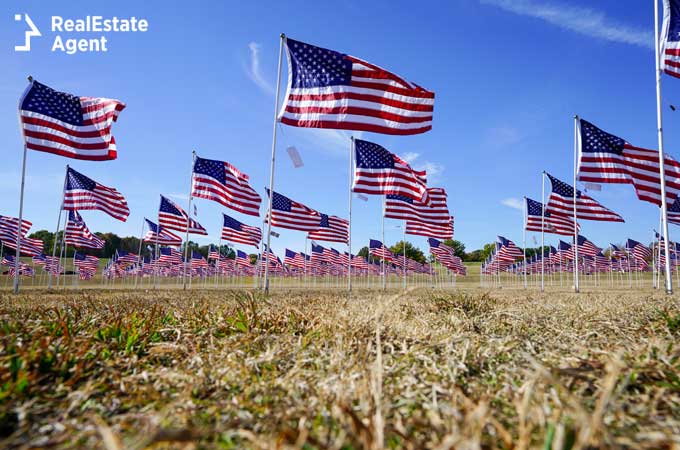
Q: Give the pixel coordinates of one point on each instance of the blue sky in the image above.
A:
(508, 75)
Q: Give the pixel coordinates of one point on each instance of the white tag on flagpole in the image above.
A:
(294, 156)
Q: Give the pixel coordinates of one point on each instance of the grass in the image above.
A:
(312, 369)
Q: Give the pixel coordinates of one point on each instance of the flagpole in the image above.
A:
(186, 241)
(349, 236)
(56, 234)
(576, 287)
(384, 249)
(271, 169)
(524, 245)
(543, 230)
(139, 254)
(662, 159)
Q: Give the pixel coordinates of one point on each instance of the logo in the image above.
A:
(32, 32)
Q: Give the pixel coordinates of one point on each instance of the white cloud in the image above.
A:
(254, 71)
(514, 203)
(586, 21)
(503, 136)
(409, 157)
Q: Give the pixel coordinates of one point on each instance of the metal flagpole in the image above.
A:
(404, 261)
(543, 230)
(524, 260)
(349, 236)
(54, 246)
(382, 214)
(186, 243)
(662, 159)
(576, 126)
(139, 255)
(271, 170)
(21, 192)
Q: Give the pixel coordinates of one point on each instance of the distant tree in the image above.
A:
(475, 255)
(458, 247)
(412, 251)
(487, 250)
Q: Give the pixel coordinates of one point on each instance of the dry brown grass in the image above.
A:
(506, 369)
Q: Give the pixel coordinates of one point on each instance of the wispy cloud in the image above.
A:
(254, 71)
(503, 136)
(586, 21)
(514, 203)
(433, 169)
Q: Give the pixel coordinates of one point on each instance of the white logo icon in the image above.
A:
(32, 32)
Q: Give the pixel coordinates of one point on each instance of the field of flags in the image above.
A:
(332, 90)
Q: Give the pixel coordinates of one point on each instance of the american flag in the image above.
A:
(430, 230)
(585, 248)
(331, 229)
(359, 262)
(242, 259)
(172, 217)
(639, 250)
(379, 172)
(670, 42)
(405, 208)
(11, 224)
(77, 233)
(198, 261)
(68, 125)
(85, 262)
(554, 223)
(124, 257)
(378, 249)
(221, 182)
(162, 237)
(294, 259)
(290, 214)
(442, 252)
(29, 246)
(83, 193)
(319, 253)
(561, 202)
(673, 211)
(506, 250)
(605, 158)
(235, 231)
(328, 89)
(170, 256)
(213, 252)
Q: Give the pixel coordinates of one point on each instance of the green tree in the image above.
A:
(412, 251)
(458, 248)
(487, 250)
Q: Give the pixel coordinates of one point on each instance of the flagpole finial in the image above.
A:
(576, 117)
(283, 35)
(30, 78)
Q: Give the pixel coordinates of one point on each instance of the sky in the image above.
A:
(509, 75)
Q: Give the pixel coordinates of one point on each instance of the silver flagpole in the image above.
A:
(186, 244)
(21, 216)
(382, 214)
(524, 226)
(21, 192)
(54, 246)
(139, 255)
(349, 236)
(543, 230)
(576, 127)
(662, 159)
(271, 169)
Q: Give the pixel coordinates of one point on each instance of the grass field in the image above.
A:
(311, 369)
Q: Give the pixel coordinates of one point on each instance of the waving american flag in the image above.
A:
(68, 125)
(83, 193)
(561, 201)
(328, 89)
(331, 229)
(605, 158)
(380, 172)
(235, 231)
(77, 233)
(173, 217)
(159, 235)
(551, 223)
(287, 213)
(405, 208)
(221, 182)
